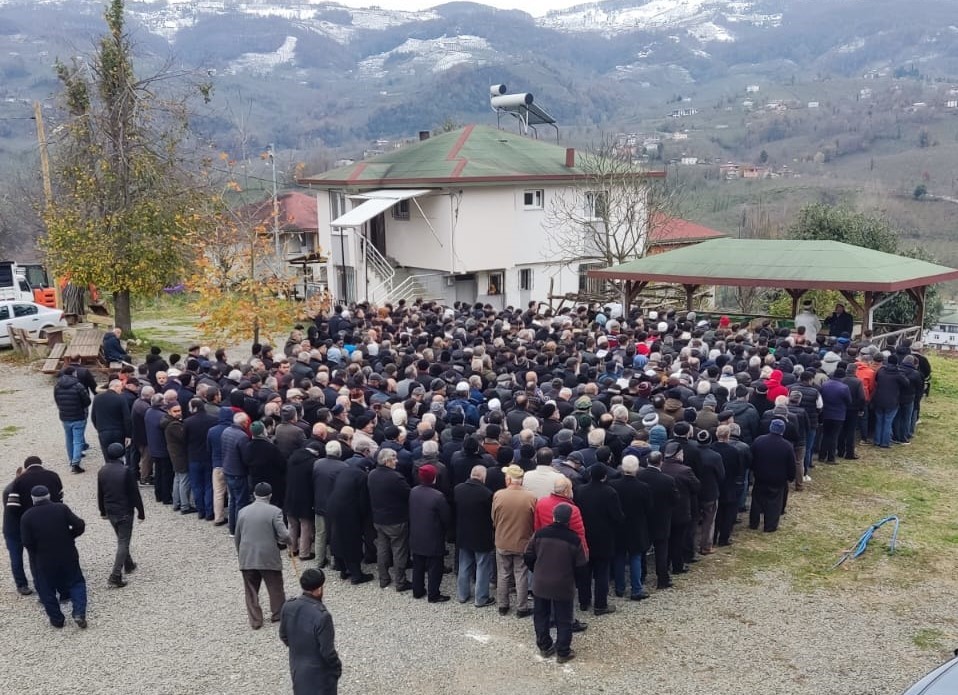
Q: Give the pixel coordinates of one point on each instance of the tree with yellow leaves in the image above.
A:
(124, 214)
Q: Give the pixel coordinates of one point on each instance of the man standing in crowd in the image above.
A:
(389, 499)
(118, 496)
(49, 531)
(555, 556)
(773, 464)
(429, 519)
(232, 441)
(632, 535)
(602, 515)
(110, 415)
(475, 537)
(513, 517)
(260, 535)
(306, 628)
(665, 497)
(73, 400)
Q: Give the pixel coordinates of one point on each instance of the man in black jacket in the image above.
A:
(773, 464)
(730, 489)
(110, 414)
(72, 400)
(602, 516)
(49, 530)
(475, 537)
(429, 519)
(325, 471)
(389, 500)
(712, 475)
(555, 556)
(665, 497)
(632, 539)
(688, 486)
(118, 496)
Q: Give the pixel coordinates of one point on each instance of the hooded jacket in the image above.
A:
(71, 397)
(774, 384)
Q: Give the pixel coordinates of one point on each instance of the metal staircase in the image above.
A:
(392, 284)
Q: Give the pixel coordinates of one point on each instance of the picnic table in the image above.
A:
(85, 346)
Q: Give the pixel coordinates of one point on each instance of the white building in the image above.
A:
(944, 334)
(463, 216)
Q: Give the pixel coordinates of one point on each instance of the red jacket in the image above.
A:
(775, 388)
(543, 517)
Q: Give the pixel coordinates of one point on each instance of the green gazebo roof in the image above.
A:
(475, 154)
(788, 264)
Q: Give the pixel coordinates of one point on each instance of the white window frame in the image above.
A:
(589, 204)
(401, 210)
(337, 204)
(526, 279)
(537, 196)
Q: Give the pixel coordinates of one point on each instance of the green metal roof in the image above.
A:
(787, 264)
(475, 154)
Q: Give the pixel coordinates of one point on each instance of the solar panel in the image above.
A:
(521, 107)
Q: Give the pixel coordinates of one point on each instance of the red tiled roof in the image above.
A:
(672, 230)
(296, 211)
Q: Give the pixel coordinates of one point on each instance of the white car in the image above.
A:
(34, 318)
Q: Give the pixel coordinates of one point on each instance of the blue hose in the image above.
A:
(862, 543)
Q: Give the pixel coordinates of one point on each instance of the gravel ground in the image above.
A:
(180, 626)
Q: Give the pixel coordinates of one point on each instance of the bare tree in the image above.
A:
(615, 212)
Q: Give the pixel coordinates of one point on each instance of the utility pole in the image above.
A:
(272, 161)
(44, 154)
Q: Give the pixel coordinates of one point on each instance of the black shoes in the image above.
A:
(80, 621)
(24, 590)
(579, 626)
(362, 579)
(441, 598)
(546, 653)
(603, 611)
(503, 610)
(405, 586)
(130, 568)
(664, 585)
(116, 582)
(77, 468)
(563, 658)
(488, 602)
(523, 612)
(383, 583)
(221, 522)
(638, 597)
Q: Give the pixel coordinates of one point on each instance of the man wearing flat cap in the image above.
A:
(48, 531)
(260, 535)
(773, 467)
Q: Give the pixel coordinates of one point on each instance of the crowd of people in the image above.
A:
(541, 457)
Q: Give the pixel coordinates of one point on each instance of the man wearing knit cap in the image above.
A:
(260, 535)
(48, 531)
(602, 515)
(429, 520)
(773, 467)
(555, 554)
(306, 628)
(118, 497)
(513, 517)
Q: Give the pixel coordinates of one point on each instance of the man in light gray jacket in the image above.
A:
(260, 535)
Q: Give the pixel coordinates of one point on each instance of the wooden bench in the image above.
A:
(51, 365)
(86, 346)
(95, 320)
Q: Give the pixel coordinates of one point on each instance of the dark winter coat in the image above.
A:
(299, 484)
(555, 555)
(138, 415)
(746, 417)
(635, 497)
(72, 398)
(195, 429)
(388, 496)
(231, 445)
(306, 627)
(889, 383)
(110, 413)
(602, 515)
(711, 474)
(688, 486)
(473, 506)
(773, 461)
(665, 496)
(429, 519)
(325, 471)
(265, 464)
(155, 436)
(734, 469)
(175, 443)
(836, 399)
(117, 492)
(48, 531)
(347, 509)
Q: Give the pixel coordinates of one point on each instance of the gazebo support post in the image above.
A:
(867, 303)
(690, 296)
(632, 290)
(796, 296)
(918, 294)
(850, 298)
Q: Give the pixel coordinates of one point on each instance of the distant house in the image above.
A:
(689, 161)
(753, 172)
(294, 232)
(752, 89)
(668, 233)
(680, 136)
(813, 104)
(952, 104)
(463, 216)
(944, 334)
(730, 170)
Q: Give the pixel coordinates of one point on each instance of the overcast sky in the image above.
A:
(533, 7)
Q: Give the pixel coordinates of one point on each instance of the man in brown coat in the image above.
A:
(513, 517)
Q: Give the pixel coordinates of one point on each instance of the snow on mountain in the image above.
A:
(263, 63)
(436, 55)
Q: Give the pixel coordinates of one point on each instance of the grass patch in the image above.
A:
(8, 431)
(149, 337)
(929, 639)
(913, 482)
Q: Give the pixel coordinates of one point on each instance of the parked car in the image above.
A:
(942, 681)
(32, 317)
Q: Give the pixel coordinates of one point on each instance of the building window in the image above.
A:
(495, 283)
(534, 199)
(337, 204)
(589, 285)
(525, 279)
(401, 210)
(595, 205)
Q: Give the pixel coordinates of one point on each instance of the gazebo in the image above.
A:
(795, 266)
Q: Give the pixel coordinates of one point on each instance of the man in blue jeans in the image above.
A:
(475, 537)
(237, 475)
(889, 383)
(633, 539)
(73, 401)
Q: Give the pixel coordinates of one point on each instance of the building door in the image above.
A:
(377, 233)
(526, 279)
(467, 288)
